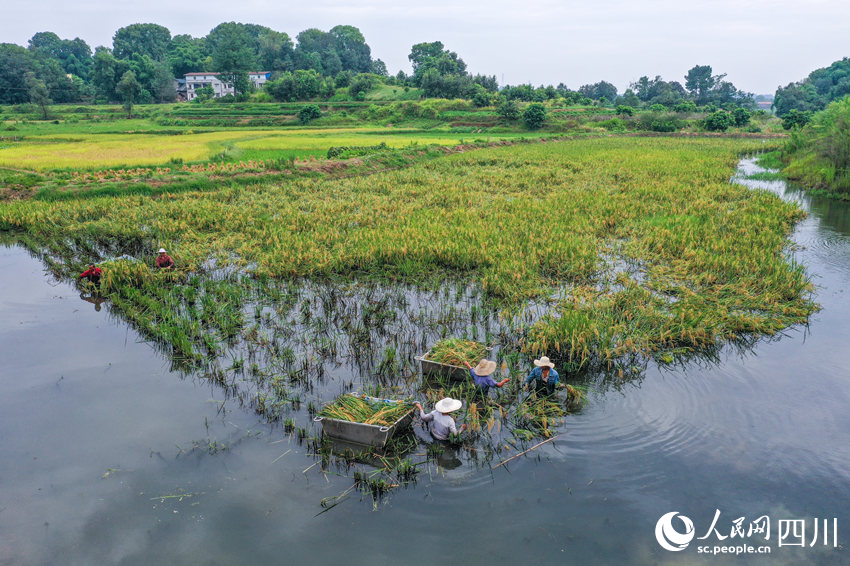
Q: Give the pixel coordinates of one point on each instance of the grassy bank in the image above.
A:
(818, 156)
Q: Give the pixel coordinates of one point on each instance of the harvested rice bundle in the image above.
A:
(454, 352)
(356, 409)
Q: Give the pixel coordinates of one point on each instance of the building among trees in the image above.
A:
(194, 82)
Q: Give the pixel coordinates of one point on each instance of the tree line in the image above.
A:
(144, 59)
(71, 71)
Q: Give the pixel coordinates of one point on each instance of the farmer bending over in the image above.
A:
(442, 423)
(544, 376)
(93, 274)
(481, 376)
(163, 260)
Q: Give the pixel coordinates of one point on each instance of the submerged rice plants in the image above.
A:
(591, 252)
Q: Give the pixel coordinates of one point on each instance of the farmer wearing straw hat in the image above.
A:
(481, 376)
(442, 423)
(544, 376)
(163, 260)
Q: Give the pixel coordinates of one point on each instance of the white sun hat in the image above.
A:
(161, 251)
(448, 405)
(484, 367)
(544, 361)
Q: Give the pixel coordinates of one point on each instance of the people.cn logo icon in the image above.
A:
(671, 539)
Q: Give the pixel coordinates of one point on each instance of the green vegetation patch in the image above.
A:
(818, 155)
(638, 239)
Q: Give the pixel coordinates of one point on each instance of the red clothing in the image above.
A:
(164, 260)
(91, 272)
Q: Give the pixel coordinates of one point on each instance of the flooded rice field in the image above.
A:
(114, 451)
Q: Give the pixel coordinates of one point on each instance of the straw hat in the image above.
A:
(448, 405)
(161, 251)
(544, 362)
(484, 367)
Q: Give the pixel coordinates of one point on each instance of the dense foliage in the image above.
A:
(813, 93)
(330, 65)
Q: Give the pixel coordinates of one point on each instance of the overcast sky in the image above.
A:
(760, 44)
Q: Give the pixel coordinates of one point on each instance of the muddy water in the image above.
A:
(107, 456)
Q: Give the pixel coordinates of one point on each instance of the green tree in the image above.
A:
(699, 81)
(508, 110)
(796, 119)
(128, 88)
(275, 51)
(309, 113)
(73, 55)
(351, 48)
(815, 91)
(434, 57)
(206, 92)
(624, 110)
(741, 116)
(233, 56)
(186, 55)
(600, 90)
(38, 93)
(106, 72)
(15, 63)
(379, 68)
(534, 116)
(299, 85)
(316, 50)
(141, 39)
(360, 85)
(480, 96)
(718, 121)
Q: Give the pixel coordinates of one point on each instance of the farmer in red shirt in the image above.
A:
(92, 274)
(163, 260)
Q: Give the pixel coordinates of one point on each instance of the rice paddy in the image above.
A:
(97, 150)
(600, 253)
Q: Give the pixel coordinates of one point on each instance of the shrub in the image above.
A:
(360, 85)
(508, 110)
(718, 121)
(481, 97)
(614, 125)
(663, 126)
(657, 108)
(685, 106)
(534, 116)
(624, 110)
(741, 116)
(796, 119)
(309, 113)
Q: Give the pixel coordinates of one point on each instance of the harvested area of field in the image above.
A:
(644, 243)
